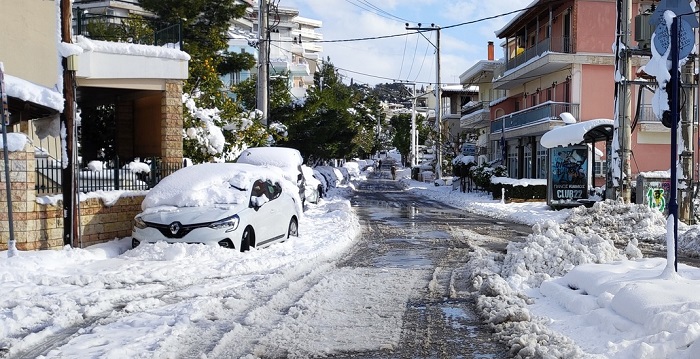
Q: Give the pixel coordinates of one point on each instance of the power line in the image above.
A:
(420, 69)
(415, 49)
(403, 57)
(382, 11)
(443, 27)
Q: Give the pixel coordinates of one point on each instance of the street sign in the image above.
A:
(662, 38)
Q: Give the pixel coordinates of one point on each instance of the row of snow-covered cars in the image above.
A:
(252, 203)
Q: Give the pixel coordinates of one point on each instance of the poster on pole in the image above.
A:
(568, 175)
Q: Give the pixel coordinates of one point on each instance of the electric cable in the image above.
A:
(382, 11)
(403, 57)
(420, 69)
(415, 49)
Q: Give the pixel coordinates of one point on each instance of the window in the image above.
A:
(273, 189)
(527, 160)
(513, 161)
(549, 94)
(541, 160)
(600, 168)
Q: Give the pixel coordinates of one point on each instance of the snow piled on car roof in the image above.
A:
(208, 184)
(272, 156)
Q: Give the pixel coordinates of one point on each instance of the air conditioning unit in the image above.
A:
(643, 31)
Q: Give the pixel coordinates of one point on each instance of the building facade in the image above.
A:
(557, 58)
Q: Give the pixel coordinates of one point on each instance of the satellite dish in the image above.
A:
(567, 118)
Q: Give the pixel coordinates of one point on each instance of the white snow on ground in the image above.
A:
(566, 292)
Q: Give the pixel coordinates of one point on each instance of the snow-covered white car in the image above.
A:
(232, 205)
(289, 160)
(313, 188)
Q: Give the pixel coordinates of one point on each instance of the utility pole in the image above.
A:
(623, 100)
(70, 218)
(414, 134)
(686, 157)
(263, 61)
(438, 119)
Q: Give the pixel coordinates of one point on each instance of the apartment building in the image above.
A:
(476, 114)
(293, 52)
(557, 58)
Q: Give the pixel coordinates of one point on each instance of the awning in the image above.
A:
(581, 132)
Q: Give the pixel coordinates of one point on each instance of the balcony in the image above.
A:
(647, 120)
(117, 29)
(557, 44)
(475, 115)
(300, 68)
(545, 57)
(540, 114)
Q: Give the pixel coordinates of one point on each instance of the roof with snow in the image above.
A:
(582, 132)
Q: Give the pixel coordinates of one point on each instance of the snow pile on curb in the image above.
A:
(501, 282)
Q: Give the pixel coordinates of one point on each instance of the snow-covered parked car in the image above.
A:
(353, 168)
(231, 205)
(287, 159)
(333, 176)
(313, 188)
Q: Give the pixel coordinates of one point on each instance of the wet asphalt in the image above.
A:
(406, 232)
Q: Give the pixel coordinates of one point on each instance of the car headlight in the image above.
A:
(139, 223)
(230, 223)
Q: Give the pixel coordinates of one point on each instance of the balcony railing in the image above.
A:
(530, 116)
(646, 114)
(143, 31)
(473, 107)
(555, 44)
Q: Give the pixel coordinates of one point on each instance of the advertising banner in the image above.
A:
(568, 174)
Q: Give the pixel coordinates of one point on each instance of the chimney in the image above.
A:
(490, 52)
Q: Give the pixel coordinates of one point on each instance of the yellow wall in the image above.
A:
(29, 37)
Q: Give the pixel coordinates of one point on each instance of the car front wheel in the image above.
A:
(293, 228)
(247, 239)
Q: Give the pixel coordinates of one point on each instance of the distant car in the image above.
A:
(231, 205)
(287, 159)
(313, 190)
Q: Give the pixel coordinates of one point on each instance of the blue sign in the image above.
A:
(686, 38)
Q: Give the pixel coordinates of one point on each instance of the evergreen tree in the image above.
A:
(335, 121)
(210, 109)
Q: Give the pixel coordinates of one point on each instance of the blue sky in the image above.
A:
(408, 58)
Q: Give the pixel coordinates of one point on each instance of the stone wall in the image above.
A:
(40, 226)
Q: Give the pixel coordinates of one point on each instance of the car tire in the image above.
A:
(293, 230)
(248, 239)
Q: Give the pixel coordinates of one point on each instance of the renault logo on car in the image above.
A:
(174, 227)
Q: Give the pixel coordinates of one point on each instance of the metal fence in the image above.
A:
(169, 35)
(49, 176)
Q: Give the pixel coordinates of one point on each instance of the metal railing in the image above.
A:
(557, 44)
(536, 114)
(119, 29)
(473, 107)
(49, 175)
(646, 114)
